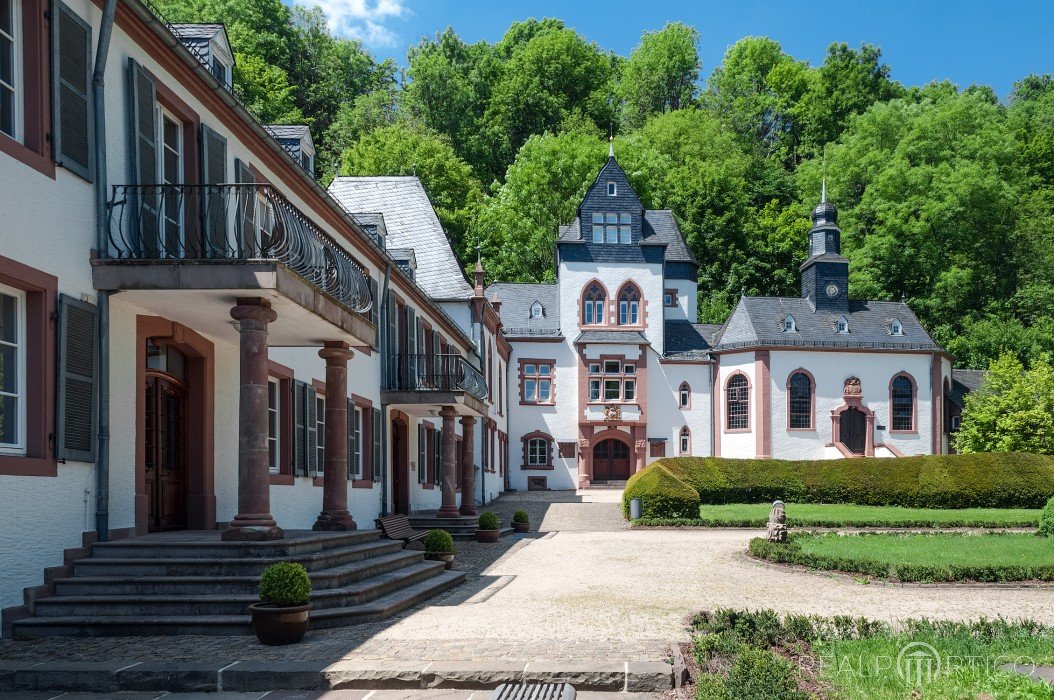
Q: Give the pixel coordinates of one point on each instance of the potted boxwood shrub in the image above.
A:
(281, 616)
(439, 546)
(521, 522)
(489, 528)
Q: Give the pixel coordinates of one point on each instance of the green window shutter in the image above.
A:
(78, 369)
(422, 455)
(143, 140)
(439, 456)
(299, 428)
(70, 87)
(245, 208)
(377, 432)
(311, 431)
(213, 211)
(353, 445)
(375, 310)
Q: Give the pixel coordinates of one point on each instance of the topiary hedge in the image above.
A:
(980, 480)
(1046, 519)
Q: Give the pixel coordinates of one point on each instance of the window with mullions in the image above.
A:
(355, 451)
(538, 452)
(903, 399)
(537, 383)
(593, 305)
(10, 62)
(274, 426)
(800, 398)
(612, 380)
(612, 227)
(629, 306)
(12, 371)
(685, 440)
(737, 403)
(320, 431)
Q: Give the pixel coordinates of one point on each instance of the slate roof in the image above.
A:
(612, 337)
(411, 222)
(288, 131)
(689, 341)
(373, 224)
(196, 37)
(963, 382)
(191, 30)
(660, 227)
(516, 301)
(758, 321)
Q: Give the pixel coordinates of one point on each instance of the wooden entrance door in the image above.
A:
(166, 452)
(853, 430)
(400, 469)
(610, 460)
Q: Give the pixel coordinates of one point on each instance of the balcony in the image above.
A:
(434, 380)
(215, 243)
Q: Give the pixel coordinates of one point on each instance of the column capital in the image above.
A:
(253, 309)
(336, 352)
(468, 422)
(448, 412)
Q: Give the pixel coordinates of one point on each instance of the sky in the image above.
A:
(966, 41)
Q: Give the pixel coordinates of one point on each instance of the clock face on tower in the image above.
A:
(832, 290)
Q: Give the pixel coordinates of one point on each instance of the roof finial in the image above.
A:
(823, 174)
(823, 192)
(611, 146)
(479, 249)
(413, 169)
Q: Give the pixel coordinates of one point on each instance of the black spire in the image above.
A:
(825, 275)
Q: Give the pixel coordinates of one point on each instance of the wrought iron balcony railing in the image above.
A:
(435, 373)
(232, 222)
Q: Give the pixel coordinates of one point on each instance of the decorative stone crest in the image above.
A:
(777, 528)
(583, 446)
(640, 444)
(613, 412)
(852, 387)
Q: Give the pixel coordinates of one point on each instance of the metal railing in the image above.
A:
(435, 373)
(232, 222)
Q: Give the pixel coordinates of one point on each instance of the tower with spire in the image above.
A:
(825, 274)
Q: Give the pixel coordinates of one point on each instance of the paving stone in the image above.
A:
(122, 695)
(647, 676)
(176, 676)
(8, 670)
(92, 676)
(432, 694)
(316, 695)
(581, 674)
(248, 676)
(360, 674)
(472, 673)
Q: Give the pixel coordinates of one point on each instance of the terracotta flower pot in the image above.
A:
(447, 557)
(521, 527)
(487, 535)
(275, 626)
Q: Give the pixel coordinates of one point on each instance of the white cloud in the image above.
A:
(365, 20)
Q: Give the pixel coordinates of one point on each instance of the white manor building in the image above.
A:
(609, 371)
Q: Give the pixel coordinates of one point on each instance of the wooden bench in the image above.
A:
(397, 527)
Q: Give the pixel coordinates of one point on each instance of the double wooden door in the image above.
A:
(610, 460)
(166, 452)
(852, 430)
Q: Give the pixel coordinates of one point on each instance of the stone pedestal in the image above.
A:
(253, 521)
(468, 469)
(449, 476)
(335, 515)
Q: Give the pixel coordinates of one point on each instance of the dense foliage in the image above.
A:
(1046, 519)
(285, 584)
(947, 195)
(1013, 410)
(982, 480)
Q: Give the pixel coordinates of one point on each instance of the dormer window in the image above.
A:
(536, 310)
(308, 161)
(612, 227)
(843, 325)
(221, 71)
(612, 189)
(896, 328)
(788, 325)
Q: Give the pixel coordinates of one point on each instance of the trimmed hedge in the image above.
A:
(791, 552)
(1046, 519)
(980, 480)
(819, 522)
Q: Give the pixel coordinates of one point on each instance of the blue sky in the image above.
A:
(966, 41)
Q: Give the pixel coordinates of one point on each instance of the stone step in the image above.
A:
(471, 534)
(228, 566)
(229, 603)
(218, 625)
(198, 585)
(210, 546)
(607, 485)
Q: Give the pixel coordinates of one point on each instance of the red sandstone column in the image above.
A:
(335, 515)
(254, 520)
(468, 471)
(449, 507)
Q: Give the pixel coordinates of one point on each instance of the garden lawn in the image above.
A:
(848, 515)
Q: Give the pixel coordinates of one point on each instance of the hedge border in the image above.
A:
(898, 525)
(791, 553)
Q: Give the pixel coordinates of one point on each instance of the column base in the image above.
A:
(448, 512)
(252, 533)
(466, 509)
(334, 521)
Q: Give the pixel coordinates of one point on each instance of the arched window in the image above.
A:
(593, 305)
(684, 395)
(537, 450)
(685, 441)
(788, 325)
(536, 310)
(737, 403)
(902, 403)
(629, 306)
(799, 396)
(896, 328)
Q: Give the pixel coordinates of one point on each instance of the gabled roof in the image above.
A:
(660, 227)
(196, 37)
(411, 222)
(758, 321)
(291, 137)
(689, 341)
(516, 301)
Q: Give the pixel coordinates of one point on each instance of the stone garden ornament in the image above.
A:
(777, 530)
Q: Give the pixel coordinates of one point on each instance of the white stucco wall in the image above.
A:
(574, 277)
(741, 444)
(665, 415)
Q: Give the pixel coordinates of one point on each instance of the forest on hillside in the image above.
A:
(946, 195)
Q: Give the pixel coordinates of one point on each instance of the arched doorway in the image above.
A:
(610, 460)
(165, 435)
(852, 430)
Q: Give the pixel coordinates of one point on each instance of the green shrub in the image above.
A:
(759, 674)
(710, 687)
(1046, 519)
(285, 584)
(661, 494)
(489, 521)
(980, 480)
(438, 542)
(521, 516)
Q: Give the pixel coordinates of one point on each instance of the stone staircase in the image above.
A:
(462, 527)
(194, 583)
(612, 485)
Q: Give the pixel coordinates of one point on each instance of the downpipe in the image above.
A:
(382, 345)
(102, 457)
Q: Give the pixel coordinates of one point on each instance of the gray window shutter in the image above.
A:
(245, 211)
(377, 432)
(311, 431)
(299, 428)
(143, 136)
(71, 60)
(213, 212)
(411, 342)
(375, 307)
(78, 368)
(439, 456)
(422, 455)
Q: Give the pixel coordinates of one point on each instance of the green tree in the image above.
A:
(1013, 411)
(661, 74)
(403, 148)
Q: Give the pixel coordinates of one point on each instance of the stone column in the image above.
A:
(449, 483)
(254, 520)
(468, 469)
(335, 515)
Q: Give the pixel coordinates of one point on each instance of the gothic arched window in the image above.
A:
(593, 305)
(799, 396)
(737, 403)
(629, 306)
(902, 400)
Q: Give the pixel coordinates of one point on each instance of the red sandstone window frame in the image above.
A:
(365, 407)
(537, 377)
(603, 377)
(669, 298)
(812, 401)
(728, 402)
(33, 90)
(593, 300)
(685, 434)
(914, 405)
(628, 294)
(284, 376)
(684, 396)
(547, 443)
